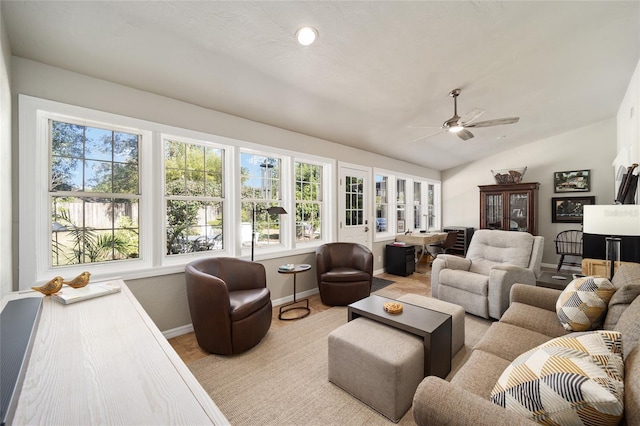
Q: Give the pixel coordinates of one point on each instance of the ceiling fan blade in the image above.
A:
(464, 134)
(471, 116)
(427, 136)
(496, 122)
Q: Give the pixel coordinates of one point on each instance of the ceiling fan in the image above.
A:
(459, 125)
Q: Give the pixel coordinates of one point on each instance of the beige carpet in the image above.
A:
(283, 380)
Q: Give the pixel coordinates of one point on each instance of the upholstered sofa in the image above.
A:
(530, 321)
(481, 281)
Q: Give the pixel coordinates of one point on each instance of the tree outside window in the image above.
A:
(194, 197)
(94, 194)
(260, 189)
(308, 193)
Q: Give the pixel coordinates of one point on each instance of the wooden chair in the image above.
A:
(568, 243)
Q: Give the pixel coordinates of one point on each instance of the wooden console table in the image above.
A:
(103, 361)
(598, 267)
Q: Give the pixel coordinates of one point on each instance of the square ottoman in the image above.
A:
(380, 365)
(456, 312)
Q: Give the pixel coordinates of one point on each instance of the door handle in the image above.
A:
(366, 229)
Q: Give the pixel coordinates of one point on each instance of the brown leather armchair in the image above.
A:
(229, 302)
(345, 272)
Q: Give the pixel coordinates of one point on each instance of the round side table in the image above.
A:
(289, 306)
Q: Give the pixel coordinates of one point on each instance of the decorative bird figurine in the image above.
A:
(53, 286)
(79, 281)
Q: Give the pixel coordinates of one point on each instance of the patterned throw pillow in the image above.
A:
(583, 303)
(570, 380)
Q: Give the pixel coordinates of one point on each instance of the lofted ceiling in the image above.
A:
(378, 72)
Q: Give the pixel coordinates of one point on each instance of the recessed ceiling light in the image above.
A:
(306, 35)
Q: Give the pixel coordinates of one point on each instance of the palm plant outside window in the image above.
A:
(194, 197)
(94, 194)
(260, 190)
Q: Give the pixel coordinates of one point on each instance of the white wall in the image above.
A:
(592, 147)
(628, 122)
(5, 162)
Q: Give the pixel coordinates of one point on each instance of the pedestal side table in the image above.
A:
(289, 306)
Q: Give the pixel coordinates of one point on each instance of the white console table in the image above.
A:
(103, 361)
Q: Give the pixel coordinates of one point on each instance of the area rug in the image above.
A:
(283, 380)
(380, 283)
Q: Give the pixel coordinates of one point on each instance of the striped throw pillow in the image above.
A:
(570, 380)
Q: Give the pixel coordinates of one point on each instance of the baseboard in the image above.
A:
(179, 331)
(283, 300)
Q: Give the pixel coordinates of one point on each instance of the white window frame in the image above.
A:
(35, 210)
(392, 176)
(34, 220)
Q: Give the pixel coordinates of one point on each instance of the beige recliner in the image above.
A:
(481, 281)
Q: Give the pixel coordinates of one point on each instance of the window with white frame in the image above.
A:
(309, 201)
(194, 197)
(260, 190)
(401, 200)
(417, 205)
(382, 203)
(93, 193)
(431, 206)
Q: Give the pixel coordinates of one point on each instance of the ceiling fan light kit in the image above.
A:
(459, 125)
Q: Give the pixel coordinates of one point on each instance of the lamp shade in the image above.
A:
(618, 219)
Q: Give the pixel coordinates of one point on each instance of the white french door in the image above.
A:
(354, 189)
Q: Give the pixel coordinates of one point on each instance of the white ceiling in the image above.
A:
(377, 68)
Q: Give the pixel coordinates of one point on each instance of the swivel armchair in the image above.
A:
(229, 302)
(344, 272)
(495, 261)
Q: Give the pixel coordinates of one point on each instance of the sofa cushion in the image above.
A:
(479, 374)
(492, 247)
(575, 379)
(583, 303)
(508, 341)
(466, 281)
(533, 318)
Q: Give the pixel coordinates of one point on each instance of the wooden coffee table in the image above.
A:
(434, 327)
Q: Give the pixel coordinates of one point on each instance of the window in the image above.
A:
(417, 205)
(308, 196)
(260, 189)
(94, 194)
(194, 197)
(354, 193)
(382, 203)
(431, 209)
(400, 205)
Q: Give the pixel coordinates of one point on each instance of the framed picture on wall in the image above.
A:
(572, 181)
(400, 226)
(569, 209)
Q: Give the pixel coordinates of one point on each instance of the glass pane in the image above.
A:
(98, 175)
(125, 147)
(125, 178)
(493, 213)
(400, 189)
(66, 174)
(66, 139)
(98, 144)
(193, 226)
(518, 208)
(93, 230)
(381, 189)
(260, 177)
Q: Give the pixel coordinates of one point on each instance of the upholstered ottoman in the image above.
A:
(456, 312)
(380, 365)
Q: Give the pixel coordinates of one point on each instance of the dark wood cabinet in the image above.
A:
(512, 207)
(400, 260)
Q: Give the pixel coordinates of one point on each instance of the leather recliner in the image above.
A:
(229, 302)
(344, 272)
